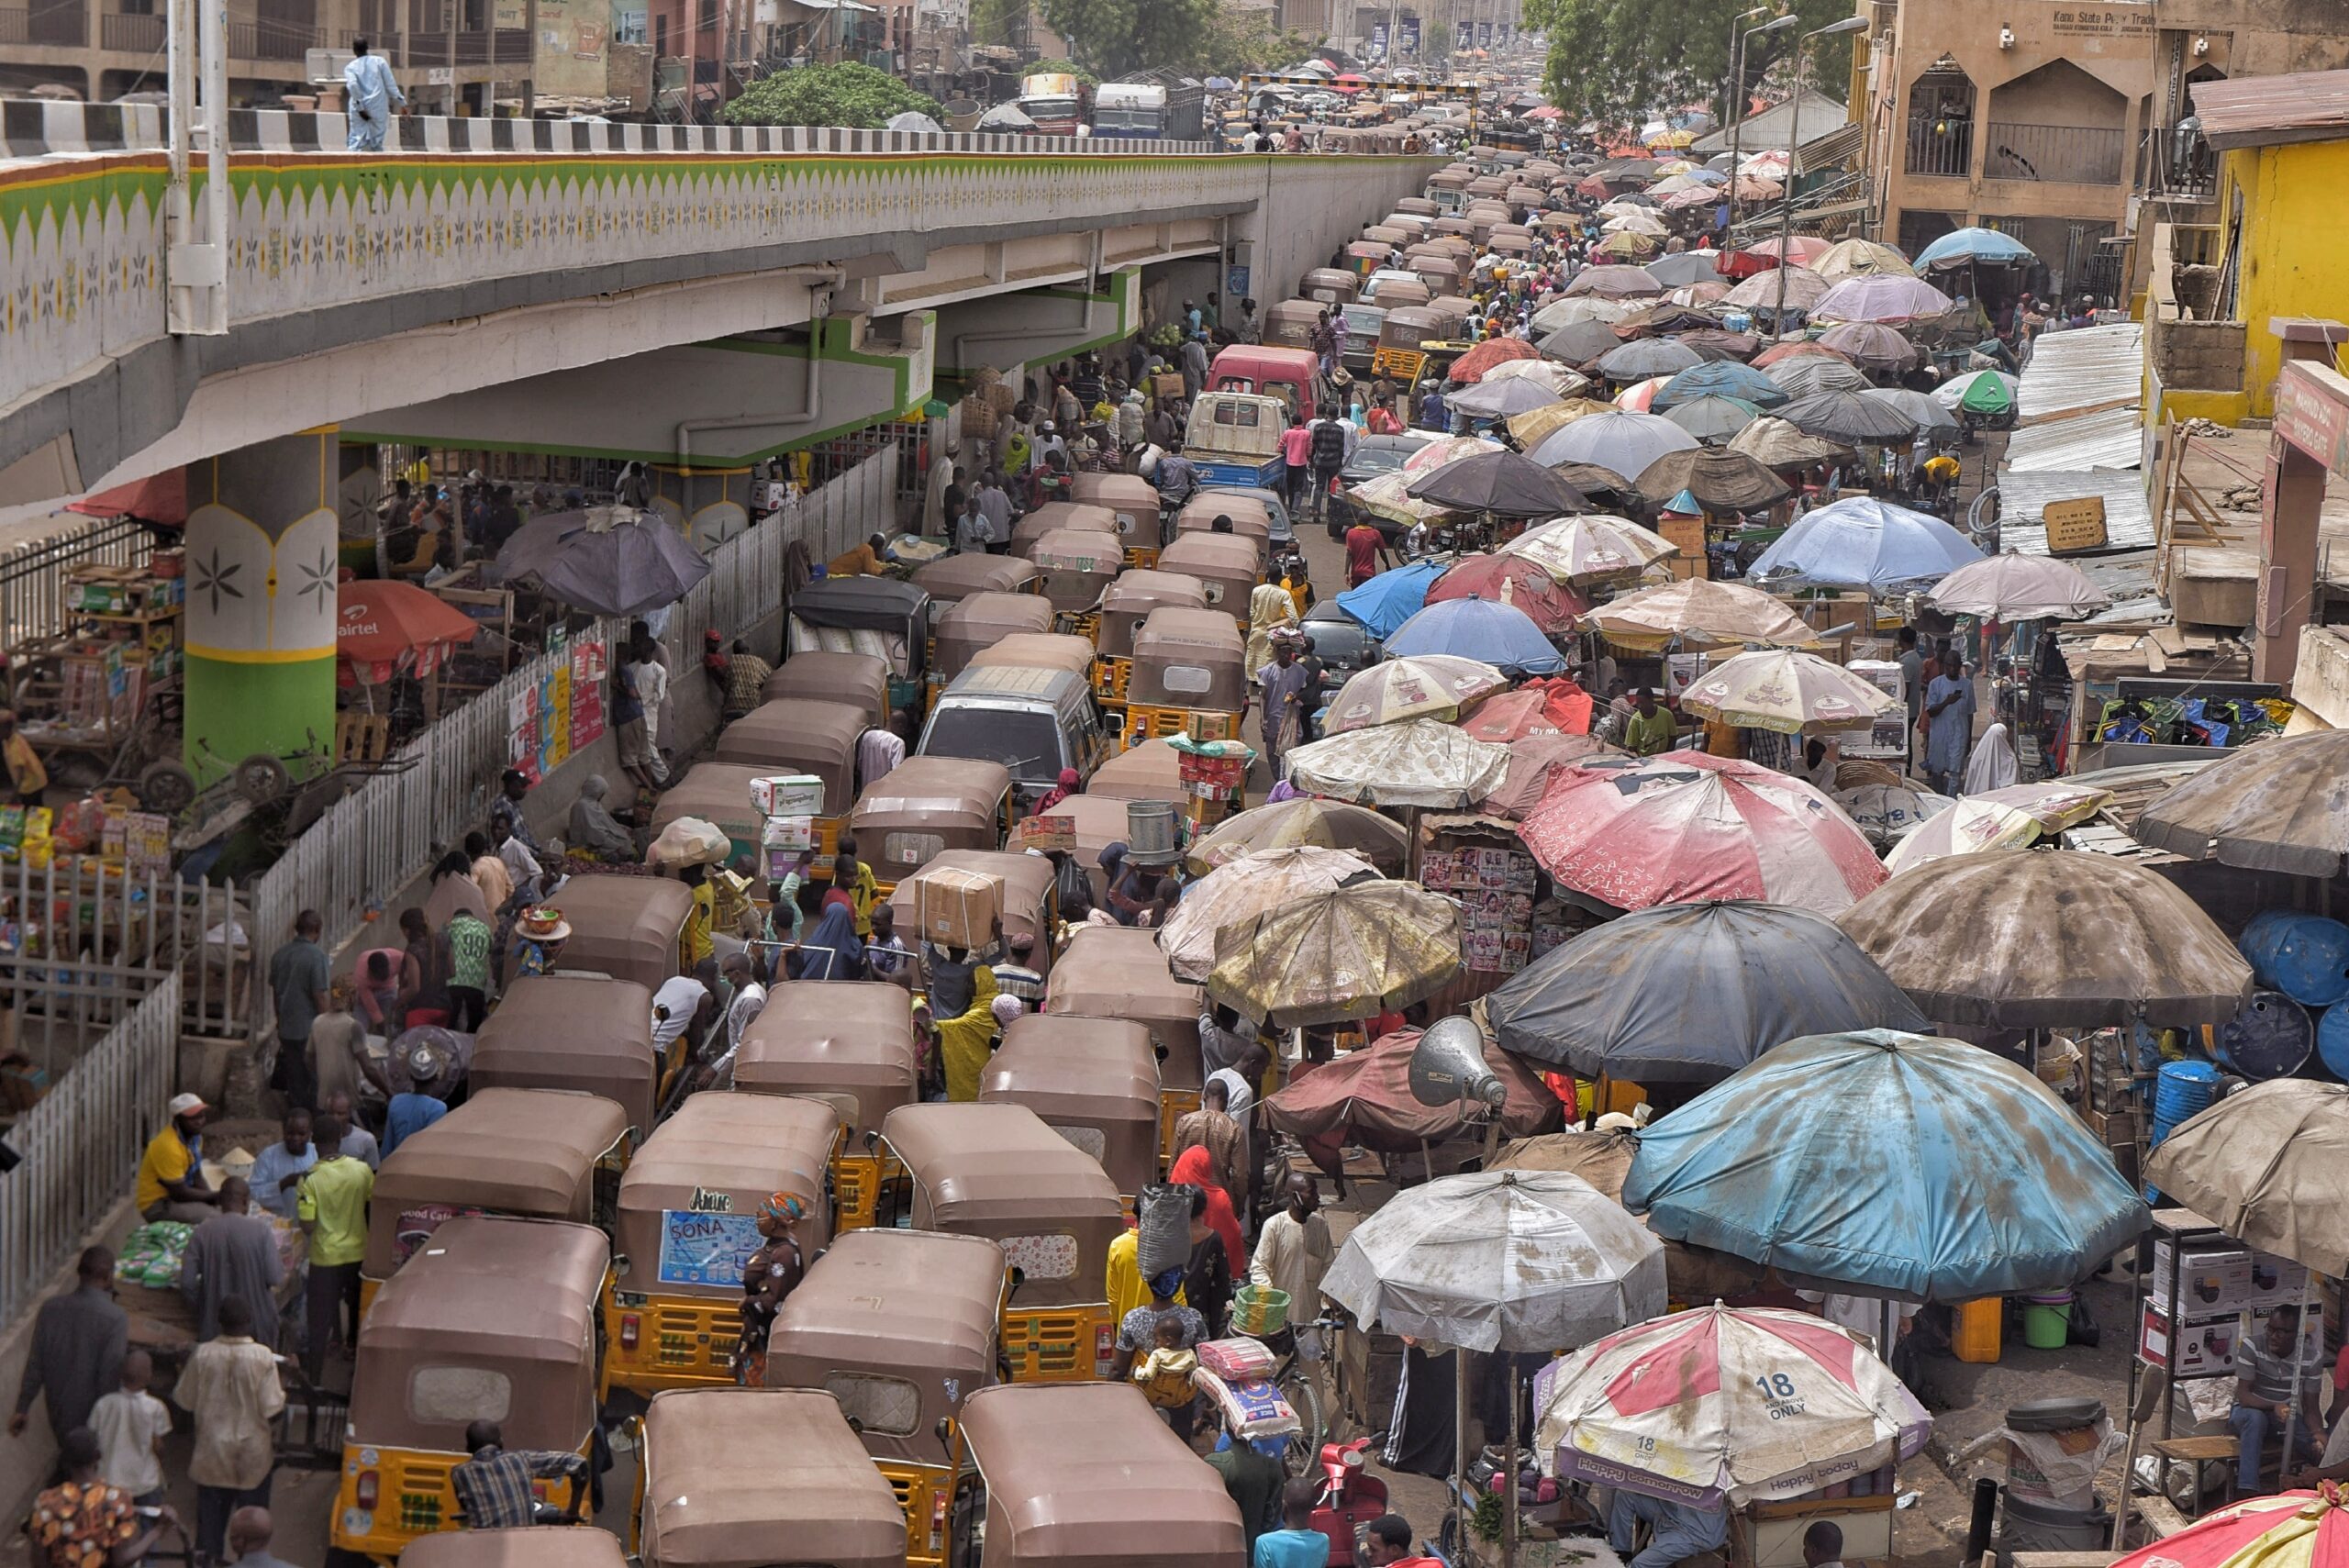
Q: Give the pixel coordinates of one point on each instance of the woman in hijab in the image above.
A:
(1195, 1167)
(831, 951)
(1215, 1237)
(453, 888)
(594, 829)
(1992, 765)
(965, 1040)
(769, 1274)
(1071, 782)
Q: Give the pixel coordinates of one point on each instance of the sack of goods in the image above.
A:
(1163, 1235)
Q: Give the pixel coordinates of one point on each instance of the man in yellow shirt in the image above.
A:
(867, 559)
(171, 1173)
(855, 879)
(332, 1207)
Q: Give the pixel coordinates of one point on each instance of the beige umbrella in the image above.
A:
(2014, 587)
(1544, 373)
(1431, 685)
(1853, 258)
(1242, 889)
(1327, 823)
(2278, 805)
(1773, 442)
(1422, 762)
(1332, 957)
(1530, 427)
(1701, 611)
(2049, 939)
(1384, 496)
(2014, 817)
(2268, 1166)
(1792, 693)
(1591, 548)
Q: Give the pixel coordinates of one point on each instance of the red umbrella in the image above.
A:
(1472, 365)
(1348, 84)
(1364, 1098)
(1512, 579)
(381, 625)
(1534, 764)
(1685, 827)
(162, 498)
(1556, 706)
(1794, 350)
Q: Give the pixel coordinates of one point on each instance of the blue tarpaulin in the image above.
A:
(1389, 599)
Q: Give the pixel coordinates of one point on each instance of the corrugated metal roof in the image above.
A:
(2023, 498)
(2081, 370)
(1770, 128)
(1829, 150)
(2111, 438)
(2259, 111)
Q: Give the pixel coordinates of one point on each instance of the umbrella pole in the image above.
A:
(1464, 1507)
(1509, 1497)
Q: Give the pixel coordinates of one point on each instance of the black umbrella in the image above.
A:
(1690, 993)
(1579, 342)
(1508, 484)
(1848, 417)
(1684, 267)
(1721, 481)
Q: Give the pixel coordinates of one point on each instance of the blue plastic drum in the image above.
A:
(2304, 956)
(2333, 1040)
(2181, 1090)
(2273, 1037)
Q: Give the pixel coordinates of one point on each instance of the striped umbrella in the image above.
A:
(1432, 686)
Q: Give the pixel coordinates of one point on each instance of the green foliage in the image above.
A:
(1621, 62)
(998, 21)
(849, 94)
(1197, 38)
(1486, 1520)
(1241, 41)
(1062, 68)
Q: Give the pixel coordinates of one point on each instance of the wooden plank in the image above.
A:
(2159, 1515)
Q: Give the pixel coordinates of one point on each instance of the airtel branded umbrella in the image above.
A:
(1243, 888)
(1472, 365)
(1364, 1098)
(1516, 580)
(1702, 612)
(1304, 820)
(1789, 692)
(1860, 258)
(2266, 1165)
(2056, 938)
(1435, 685)
(1505, 484)
(1803, 289)
(1500, 1260)
(1591, 548)
(384, 627)
(1931, 418)
(1847, 416)
(1423, 763)
(1718, 481)
(1484, 629)
(1624, 442)
(2277, 805)
(2009, 818)
(1721, 378)
(1806, 375)
(1330, 958)
(1892, 1163)
(1724, 1404)
(1862, 542)
(1881, 298)
(1690, 993)
(1686, 827)
(1613, 282)
(1872, 344)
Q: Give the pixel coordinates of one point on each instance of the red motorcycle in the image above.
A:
(1350, 1499)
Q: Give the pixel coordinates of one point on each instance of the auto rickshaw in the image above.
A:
(630, 927)
(929, 804)
(1399, 356)
(979, 622)
(1151, 771)
(543, 1545)
(1133, 501)
(900, 1327)
(879, 616)
(750, 1477)
(998, 1172)
(803, 736)
(1077, 564)
(858, 679)
(1116, 971)
(950, 578)
(719, 794)
(1443, 274)
(1251, 518)
(1187, 664)
(1031, 908)
(1125, 605)
(533, 1153)
(1229, 566)
(1054, 516)
(1334, 286)
(1037, 651)
(849, 1043)
(1058, 1465)
(1386, 234)
(576, 1032)
(1402, 291)
(1094, 1082)
(1291, 322)
(493, 1320)
(1426, 211)
(687, 1221)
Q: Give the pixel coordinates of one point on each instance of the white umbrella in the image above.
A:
(1789, 691)
(1424, 761)
(1591, 548)
(2013, 586)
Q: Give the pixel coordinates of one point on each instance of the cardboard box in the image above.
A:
(791, 833)
(788, 795)
(957, 909)
(2203, 1348)
(2216, 1279)
(1045, 833)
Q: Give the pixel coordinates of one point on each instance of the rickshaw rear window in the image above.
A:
(1190, 679)
(911, 848)
(889, 1406)
(1091, 1140)
(1050, 1256)
(454, 1396)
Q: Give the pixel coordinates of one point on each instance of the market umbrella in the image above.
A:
(1635, 221)
(381, 625)
(1472, 365)
(1590, 548)
(2055, 938)
(1635, 397)
(2281, 805)
(1802, 249)
(1777, 444)
(1424, 762)
(1243, 888)
(1720, 480)
(1810, 374)
(1635, 832)
(1622, 441)
(1498, 634)
(1529, 428)
(1702, 612)
(1711, 418)
(1613, 282)
(1515, 580)
(1602, 1156)
(2014, 587)
(1303, 820)
(1329, 958)
(1500, 1260)
(1931, 418)
(1721, 378)
(1534, 761)
(1890, 1164)
(159, 498)
(2009, 818)
(1435, 685)
(1989, 393)
(1795, 348)
(1557, 379)
(1644, 357)
(1627, 245)
(1580, 342)
(1872, 344)
(1389, 599)
(1364, 1098)
(1492, 399)
(608, 560)
(2268, 1165)
(1887, 811)
(913, 122)
(1862, 542)
(1669, 1408)
(1974, 247)
(1860, 258)
(1719, 344)
(1446, 450)
(1848, 417)
(1684, 267)
(1690, 993)
(1881, 298)
(1760, 292)
(1505, 484)
(1787, 691)
(1386, 496)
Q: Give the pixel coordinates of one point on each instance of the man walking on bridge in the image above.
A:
(370, 96)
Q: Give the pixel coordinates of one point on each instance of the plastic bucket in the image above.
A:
(2304, 956)
(2047, 1320)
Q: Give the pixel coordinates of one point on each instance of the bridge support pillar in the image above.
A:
(262, 546)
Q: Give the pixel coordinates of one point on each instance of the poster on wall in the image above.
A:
(1378, 40)
(1484, 35)
(587, 671)
(1410, 40)
(554, 719)
(522, 725)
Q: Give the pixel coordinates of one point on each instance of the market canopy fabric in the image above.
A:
(1702, 611)
(1846, 416)
(2280, 805)
(1243, 888)
(1387, 600)
(1423, 763)
(1725, 378)
(1860, 258)
(1881, 297)
(1712, 419)
(1872, 344)
(1501, 399)
(1364, 1098)
(1613, 282)
(2268, 1166)
(1720, 481)
(1803, 289)
(1644, 357)
(1328, 957)
(1806, 375)
(1778, 444)
(1977, 247)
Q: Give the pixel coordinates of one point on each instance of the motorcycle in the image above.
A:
(1348, 1501)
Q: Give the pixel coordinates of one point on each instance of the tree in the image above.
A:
(1241, 41)
(1116, 38)
(1621, 62)
(849, 94)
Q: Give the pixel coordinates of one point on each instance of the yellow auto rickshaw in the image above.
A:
(950, 578)
(533, 1153)
(719, 794)
(900, 1327)
(1092, 1080)
(998, 1172)
(630, 927)
(971, 626)
(1077, 564)
(1059, 1465)
(494, 1319)
(688, 1220)
(1188, 665)
(1116, 971)
(752, 1477)
(1054, 516)
(1124, 606)
(1229, 566)
(929, 804)
(541, 1546)
(861, 680)
(796, 736)
(577, 1032)
(1133, 501)
(849, 1043)
(1251, 518)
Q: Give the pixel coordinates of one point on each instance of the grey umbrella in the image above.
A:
(1849, 417)
(1644, 357)
(609, 559)
(2281, 805)
(1929, 415)
(1626, 443)
(1580, 342)
(1807, 373)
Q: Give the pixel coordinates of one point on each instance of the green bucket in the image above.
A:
(2047, 1320)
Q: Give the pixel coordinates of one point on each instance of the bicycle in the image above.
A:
(1293, 1375)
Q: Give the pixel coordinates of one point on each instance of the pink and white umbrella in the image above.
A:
(1879, 298)
(1445, 449)
(1724, 1404)
(1685, 827)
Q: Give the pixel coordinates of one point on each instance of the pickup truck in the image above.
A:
(1234, 439)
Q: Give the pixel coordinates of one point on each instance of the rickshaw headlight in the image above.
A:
(631, 1326)
(368, 1489)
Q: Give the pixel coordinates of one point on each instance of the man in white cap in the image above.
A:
(171, 1173)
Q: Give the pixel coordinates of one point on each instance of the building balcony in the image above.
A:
(271, 40)
(131, 33)
(2057, 155)
(63, 27)
(511, 44)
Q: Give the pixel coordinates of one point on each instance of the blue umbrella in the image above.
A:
(1986, 246)
(1389, 599)
(1862, 542)
(1500, 635)
(1719, 378)
(1897, 1164)
(613, 568)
